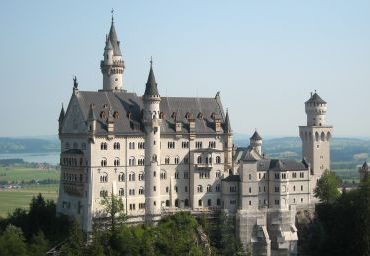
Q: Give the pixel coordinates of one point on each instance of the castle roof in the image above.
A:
(232, 178)
(315, 98)
(91, 116)
(114, 40)
(129, 108)
(227, 122)
(365, 166)
(256, 136)
(61, 115)
(151, 85)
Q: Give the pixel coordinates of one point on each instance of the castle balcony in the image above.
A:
(73, 188)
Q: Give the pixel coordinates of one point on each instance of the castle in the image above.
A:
(167, 154)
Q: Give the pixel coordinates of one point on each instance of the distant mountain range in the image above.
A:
(29, 145)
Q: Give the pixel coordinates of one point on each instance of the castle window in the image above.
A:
(301, 200)
(141, 205)
(294, 175)
(161, 115)
(259, 189)
(116, 162)
(198, 144)
(218, 201)
(141, 176)
(167, 160)
(186, 203)
(209, 202)
(103, 146)
(301, 175)
(186, 189)
(163, 175)
(250, 176)
(217, 188)
(167, 189)
(83, 146)
(141, 191)
(277, 189)
(277, 176)
(186, 175)
(154, 158)
(200, 115)
(103, 115)
(177, 160)
(200, 202)
(154, 188)
(131, 177)
(186, 160)
(277, 202)
(293, 188)
(140, 145)
(232, 189)
(218, 174)
(140, 161)
(103, 162)
(250, 190)
(131, 161)
(209, 188)
(283, 175)
(171, 144)
(115, 115)
(185, 144)
(301, 188)
(104, 178)
(121, 192)
(116, 146)
(103, 193)
(176, 189)
(250, 202)
(199, 160)
(176, 175)
(200, 189)
(121, 177)
(212, 144)
(167, 203)
(218, 159)
(131, 145)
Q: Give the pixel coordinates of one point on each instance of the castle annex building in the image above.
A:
(166, 154)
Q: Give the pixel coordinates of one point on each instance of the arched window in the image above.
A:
(218, 159)
(177, 160)
(177, 203)
(141, 191)
(186, 203)
(218, 174)
(167, 203)
(121, 177)
(316, 136)
(116, 162)
(103, 162)
(131, 161)
(200, 202)
(141, 176)
(200, 189)
(104, 178)
(116, 146)
(154, 158)
(199, 159)
(328, 136)
(209, 202)
(218, 201)
(163, 175)
(103, 146)
(322, 136)
(167, 160)
(209, 188)
(121, 192)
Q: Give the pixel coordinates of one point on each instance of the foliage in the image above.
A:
(114, 210)
(327, 187)
(12, 242)
(343, 226)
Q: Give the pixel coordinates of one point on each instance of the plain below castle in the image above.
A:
(166, 154)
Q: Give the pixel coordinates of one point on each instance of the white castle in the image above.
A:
(162, 155)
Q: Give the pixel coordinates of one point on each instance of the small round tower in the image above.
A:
(256, 142)
(364, 171)
(316, 110)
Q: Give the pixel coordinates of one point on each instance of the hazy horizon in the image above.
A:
(264, 57)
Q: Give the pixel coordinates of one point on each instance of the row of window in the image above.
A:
(121, 177)
(209, 188)
(75, 145)
(72, 177)
(72, 161)
(208, 160)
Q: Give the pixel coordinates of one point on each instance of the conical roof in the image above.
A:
(108, 44)
(114, 40)
(151, 85)
(61, 115)
(227, 122)
(256, 136)
(315, 98)
(91, 116)
(365, 166)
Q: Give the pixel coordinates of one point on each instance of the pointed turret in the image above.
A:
(91, 116)
(256, 136)
(114, 40)
(227, 122)
(364, 172)
(256, 142)
(112, 66)
(61, 115)
(151, 85)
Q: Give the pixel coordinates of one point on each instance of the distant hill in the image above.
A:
(342, 149)
(29, 145)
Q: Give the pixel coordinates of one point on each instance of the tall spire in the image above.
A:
(151, 85)
(227, 122)
(91, 116)
(62, 114)
(114, 39)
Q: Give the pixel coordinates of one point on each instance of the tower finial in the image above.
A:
(151, 61)
(112, 12)
(75, 83)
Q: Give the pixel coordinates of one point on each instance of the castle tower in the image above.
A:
(316, 136)
(229, 142)
(364, 172)
(151, 122)
(112, 65)
(256, 142)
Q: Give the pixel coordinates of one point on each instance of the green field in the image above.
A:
(21, 173)
(21, 198)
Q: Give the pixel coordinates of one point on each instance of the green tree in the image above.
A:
(113, 209)
(327, 187)
(38, 245)
(75, 245)
(12, 242)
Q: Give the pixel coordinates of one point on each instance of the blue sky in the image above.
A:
(264, 56)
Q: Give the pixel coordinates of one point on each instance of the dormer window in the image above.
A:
(200, 115)
(105, 106)
(173, 115)
(161, 115)
(213, 115)
(128, 114)
(103, 115)
(115, 115)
